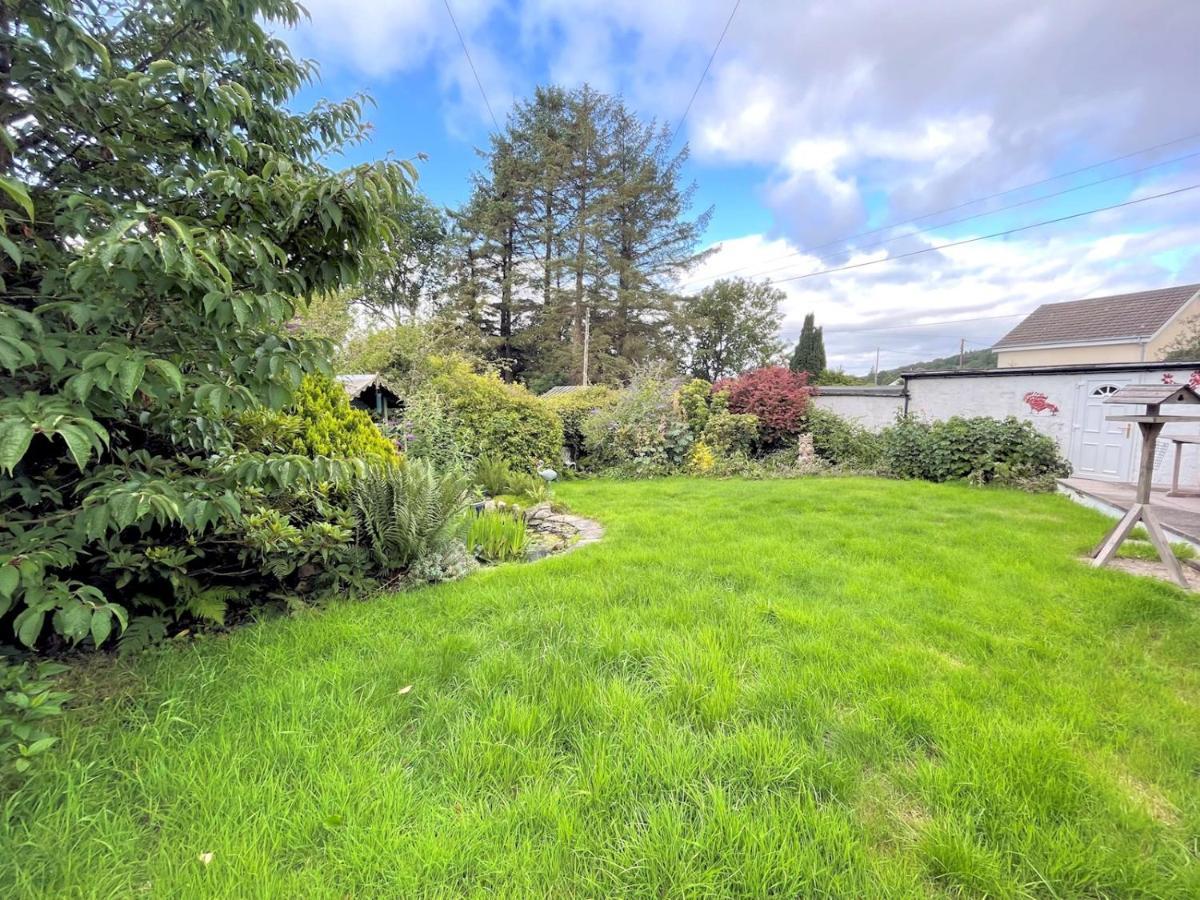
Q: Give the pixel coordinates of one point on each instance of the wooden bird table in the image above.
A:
(1150, 423)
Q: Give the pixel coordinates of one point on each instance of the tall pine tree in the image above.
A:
(578, 221)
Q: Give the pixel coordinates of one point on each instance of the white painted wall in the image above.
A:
(1095, 447)
(1000, 396)
(871, 411)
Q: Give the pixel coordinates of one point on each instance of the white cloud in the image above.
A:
(855, 111)
(985, 286)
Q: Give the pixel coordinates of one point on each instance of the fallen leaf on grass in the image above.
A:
(405, 689)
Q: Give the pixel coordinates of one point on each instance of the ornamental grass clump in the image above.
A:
(497, 535)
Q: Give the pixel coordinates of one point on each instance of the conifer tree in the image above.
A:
(809, 354)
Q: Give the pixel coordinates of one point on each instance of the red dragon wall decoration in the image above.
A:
(1039, 404)
(1193, 380)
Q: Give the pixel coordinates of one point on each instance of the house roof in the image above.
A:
(1135, 316)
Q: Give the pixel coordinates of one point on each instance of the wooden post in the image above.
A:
(1150, 432)
(587, 339)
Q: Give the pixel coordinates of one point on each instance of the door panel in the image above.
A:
(1104, 448)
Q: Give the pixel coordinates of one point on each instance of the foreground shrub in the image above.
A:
(701, 459)
(330, 426)
(841, 442)
(730, 434)
(775, 395)
(480, 415)
(695, 401)
(28, 700)
(642, 432)
(407, 513)
(573, 410)
(493, 474)
(165, 212)
(1004, 451)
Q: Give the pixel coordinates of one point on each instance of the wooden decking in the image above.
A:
(1179, 515)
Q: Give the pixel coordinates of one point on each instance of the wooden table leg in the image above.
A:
(1117, 535)
(1159, 539)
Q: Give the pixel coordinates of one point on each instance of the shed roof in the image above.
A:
(1135, 316)
(355, 385)
(564, 389)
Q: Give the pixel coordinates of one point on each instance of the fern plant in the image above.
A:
(405, 514)
(493, 474)
(530, 488)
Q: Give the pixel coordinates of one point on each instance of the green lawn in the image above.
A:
(842, 687)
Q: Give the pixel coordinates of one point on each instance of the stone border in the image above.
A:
(578, 531)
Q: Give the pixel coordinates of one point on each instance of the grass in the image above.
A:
(838, 687)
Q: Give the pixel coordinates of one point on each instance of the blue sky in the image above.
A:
(821, 120)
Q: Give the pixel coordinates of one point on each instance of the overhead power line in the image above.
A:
(984, 237)
(470, 62)
(704, 74)
(1011, 206)
(966, 203)
(836, 331)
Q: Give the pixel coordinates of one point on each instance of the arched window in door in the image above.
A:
(1104, 390)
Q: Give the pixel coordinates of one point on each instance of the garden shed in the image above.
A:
(371, 393)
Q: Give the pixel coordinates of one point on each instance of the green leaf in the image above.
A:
(101, 626)
(79, 443)
(73, 621)
(16, 191)
(13, 251)
(28, 625)
(130, 376)
(9, 579)
(41, 745)
(15, 435)
(182, 233)
(168, 371)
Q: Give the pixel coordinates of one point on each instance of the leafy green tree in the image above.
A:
(809, 355)
(1187, 345)
(730, 326)
(165, 214)
(414, 277)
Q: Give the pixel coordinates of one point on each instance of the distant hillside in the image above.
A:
(975, 359)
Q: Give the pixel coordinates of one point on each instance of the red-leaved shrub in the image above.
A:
(776, 395)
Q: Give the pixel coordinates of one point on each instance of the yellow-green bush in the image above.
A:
(321, 423)
(489, 416)
(332, 427)
(729, 434)
(573, 409)
(701, 459)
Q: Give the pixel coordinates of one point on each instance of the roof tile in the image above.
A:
(1133, 316)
